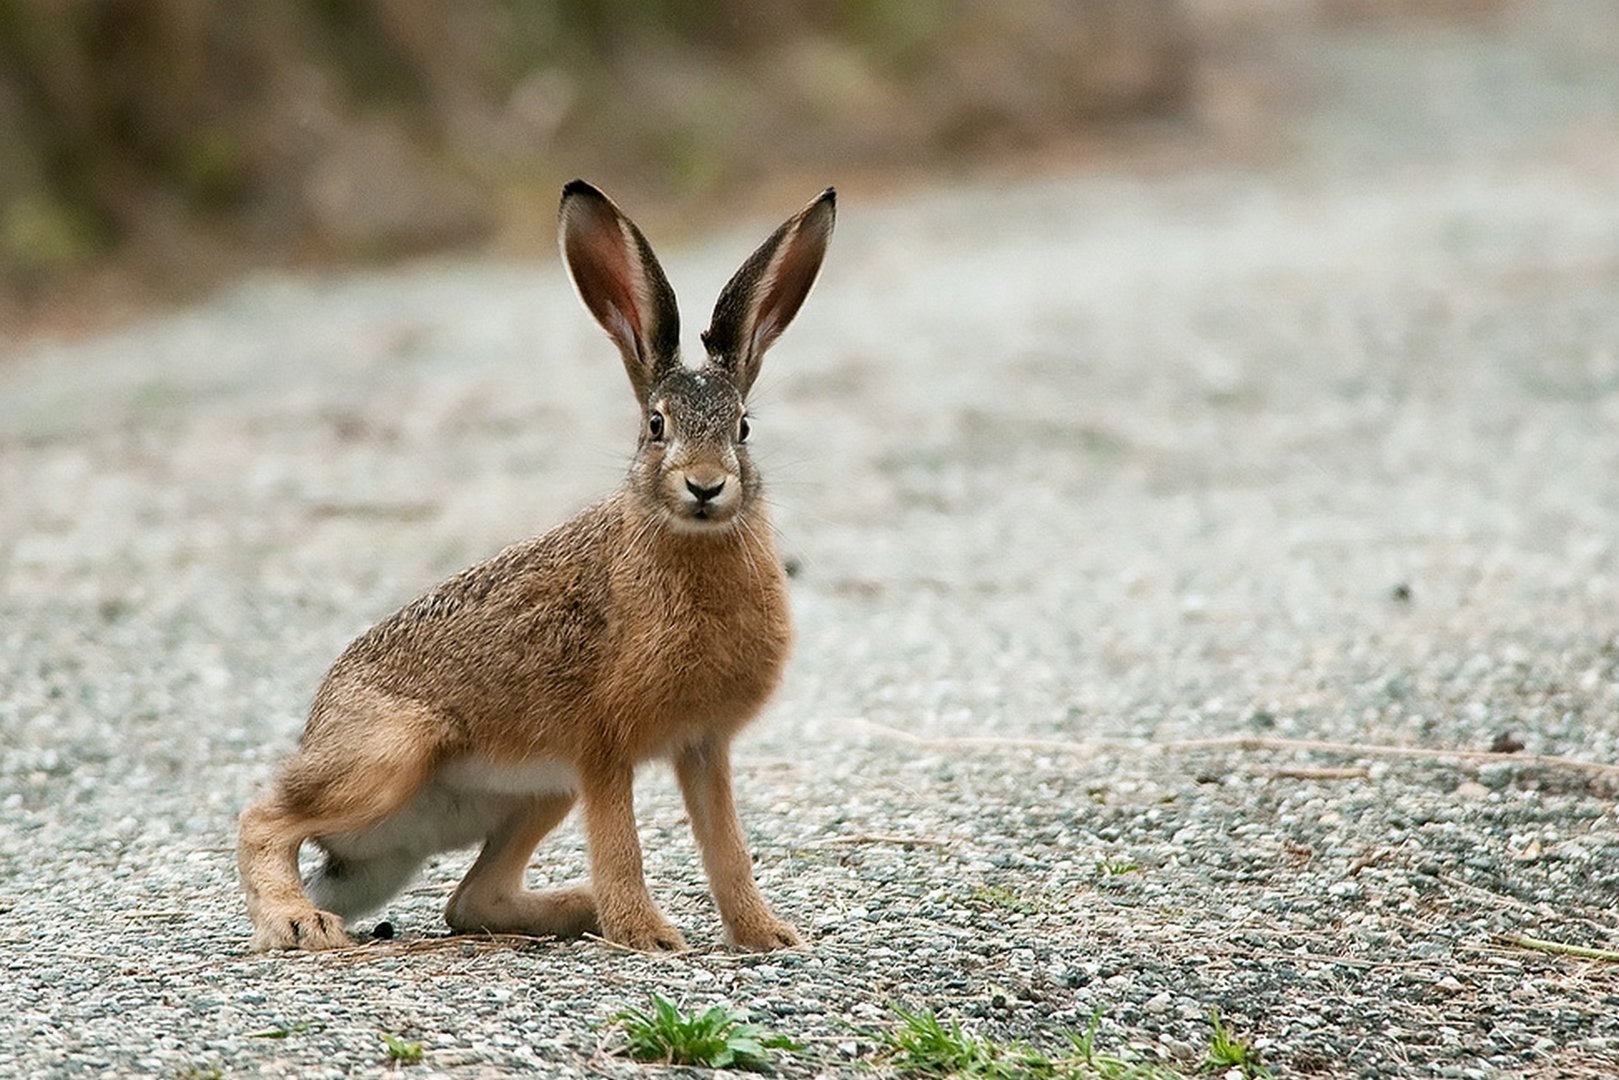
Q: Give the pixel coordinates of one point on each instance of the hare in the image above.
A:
(652, 625)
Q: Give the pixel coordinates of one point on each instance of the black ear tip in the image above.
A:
(830, 195)
(580, 187)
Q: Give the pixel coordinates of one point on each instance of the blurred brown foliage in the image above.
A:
(201, 133)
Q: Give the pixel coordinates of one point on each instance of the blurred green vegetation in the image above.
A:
(196, 133)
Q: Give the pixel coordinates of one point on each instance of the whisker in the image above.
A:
(797, 510)
(747, 527)
(770, 463)
(771, 521)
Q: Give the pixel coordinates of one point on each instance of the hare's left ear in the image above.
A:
(761, 298)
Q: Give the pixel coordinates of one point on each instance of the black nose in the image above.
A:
(702, 493)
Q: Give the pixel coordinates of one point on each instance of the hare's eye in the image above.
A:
(654, 426)
(742, 430)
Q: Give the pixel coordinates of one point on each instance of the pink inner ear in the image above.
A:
(598, 254)
(790, 283)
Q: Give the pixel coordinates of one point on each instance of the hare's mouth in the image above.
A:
(703, 518)
(688, 516)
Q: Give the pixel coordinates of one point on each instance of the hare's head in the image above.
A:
(691, 465)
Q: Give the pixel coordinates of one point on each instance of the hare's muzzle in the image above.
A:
(705, 495)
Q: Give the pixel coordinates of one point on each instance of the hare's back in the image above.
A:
(527, 627)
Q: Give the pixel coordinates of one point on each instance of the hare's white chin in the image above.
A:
(709, 523)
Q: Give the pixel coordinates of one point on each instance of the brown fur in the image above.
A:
(652, 625)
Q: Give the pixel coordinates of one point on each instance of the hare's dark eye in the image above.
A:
(742, 430)
(654, 426)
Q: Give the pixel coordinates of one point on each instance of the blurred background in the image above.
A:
(156, 148)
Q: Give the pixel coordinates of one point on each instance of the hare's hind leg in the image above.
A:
(491, 898)
(332, 785)
(267, 858)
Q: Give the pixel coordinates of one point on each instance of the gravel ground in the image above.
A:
(1106, 493)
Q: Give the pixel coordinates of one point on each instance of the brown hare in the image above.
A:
(652, 625)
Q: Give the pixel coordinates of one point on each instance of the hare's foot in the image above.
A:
(566, 912)
(647, 932)
(305, 927)
(761, 933)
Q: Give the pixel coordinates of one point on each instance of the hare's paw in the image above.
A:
(308, 928)
(762, 934)
(647, 934)
(567, 912)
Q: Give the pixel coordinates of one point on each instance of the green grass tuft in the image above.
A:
(922, 1044)
(717, 1038)
(401, 1051)
(1110, 868)
(999, 896)
(1228, 1051)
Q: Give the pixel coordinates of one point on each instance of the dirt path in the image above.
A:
(1075, 473)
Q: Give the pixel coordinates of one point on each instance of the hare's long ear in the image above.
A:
(620, 281)
(762, 298)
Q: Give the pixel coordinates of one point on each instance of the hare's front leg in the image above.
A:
(704, 771)
(624, 907)
(491, 898)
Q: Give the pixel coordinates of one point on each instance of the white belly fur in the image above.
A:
(542, 777)
(464, 803)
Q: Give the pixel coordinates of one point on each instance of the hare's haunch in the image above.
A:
(652, 625)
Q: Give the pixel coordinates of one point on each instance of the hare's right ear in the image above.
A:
(619, 279)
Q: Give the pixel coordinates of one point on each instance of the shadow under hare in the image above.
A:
(652, 625)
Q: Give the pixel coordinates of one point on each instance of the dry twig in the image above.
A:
(382, 950)
(879, 838)
(1558, 948)
(1303, 772)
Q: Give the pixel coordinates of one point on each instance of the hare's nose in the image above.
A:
(704, 494)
